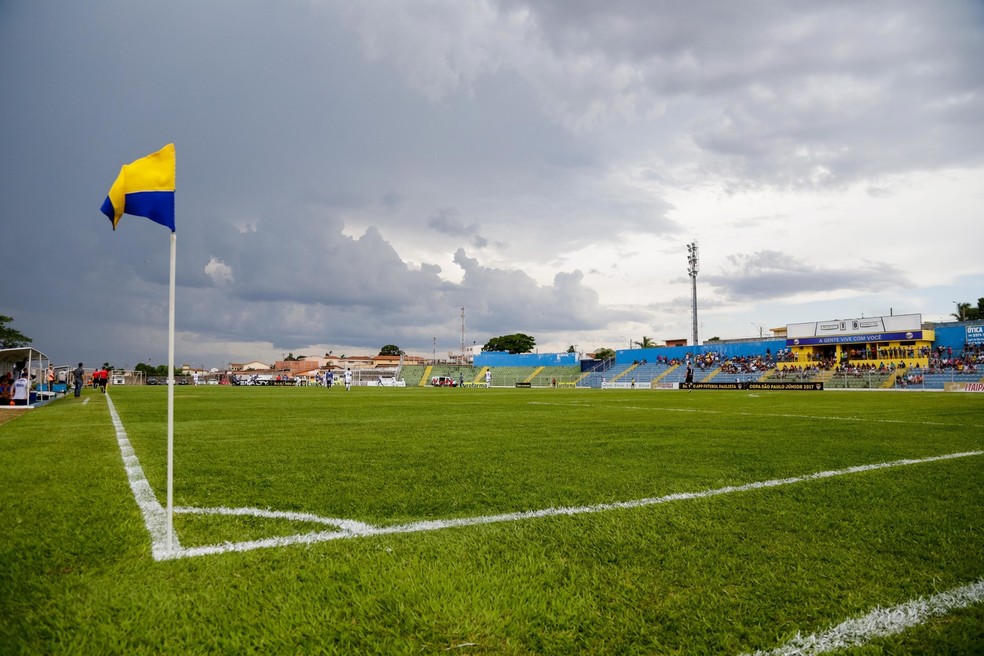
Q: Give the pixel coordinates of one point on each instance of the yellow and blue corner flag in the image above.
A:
(144, 188)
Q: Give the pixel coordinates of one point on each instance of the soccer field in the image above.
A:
(499, 521)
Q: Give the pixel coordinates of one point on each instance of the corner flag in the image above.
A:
(144, 188)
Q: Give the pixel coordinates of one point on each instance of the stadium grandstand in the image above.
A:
(893, 352)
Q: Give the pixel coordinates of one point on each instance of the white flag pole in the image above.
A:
(170, 401)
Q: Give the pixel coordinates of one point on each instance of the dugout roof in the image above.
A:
(32, 358)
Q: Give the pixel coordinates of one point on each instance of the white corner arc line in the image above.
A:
(348, 525)
(156, 520)
(880, 622)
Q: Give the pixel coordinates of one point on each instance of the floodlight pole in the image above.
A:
(692, 268)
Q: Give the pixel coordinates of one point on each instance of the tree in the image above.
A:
(604, 354)
(645, 343)
(390, 349)
(571, 349)
(515, 343)
(10, 338)
(967, 312)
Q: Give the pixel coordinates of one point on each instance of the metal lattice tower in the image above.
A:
(693, 267)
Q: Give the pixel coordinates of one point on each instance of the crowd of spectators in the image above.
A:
(943, 360)
(748, 365)
(857, 362)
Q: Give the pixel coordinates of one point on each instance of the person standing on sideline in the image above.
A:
(51, 378)
(79, 380)
(348, 380)
(488, 378)
(22, 390)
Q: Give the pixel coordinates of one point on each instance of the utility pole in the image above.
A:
(692, 268)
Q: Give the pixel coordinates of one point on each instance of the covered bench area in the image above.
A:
(15, 360)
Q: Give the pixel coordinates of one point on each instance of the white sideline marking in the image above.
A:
(880, 622)
(155, 516)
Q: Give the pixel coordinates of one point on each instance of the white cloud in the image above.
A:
(219, 272)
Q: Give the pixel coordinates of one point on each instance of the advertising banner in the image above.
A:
(855, 339)
(777, 386)
(975, 335)
(964, 387)
(899, 323)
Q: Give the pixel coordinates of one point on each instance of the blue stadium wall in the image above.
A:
(955, 335)
(725, 350)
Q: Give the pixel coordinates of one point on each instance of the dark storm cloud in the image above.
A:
(769, 275)
(789, 94)
(446, 221)
(499, 298)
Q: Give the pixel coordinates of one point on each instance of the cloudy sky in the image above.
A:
(352, 174)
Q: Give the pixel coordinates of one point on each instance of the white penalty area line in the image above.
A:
(155, 515)
(880, 623)
(741, 413)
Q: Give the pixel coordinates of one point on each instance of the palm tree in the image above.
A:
(645, 343)
(962, 313)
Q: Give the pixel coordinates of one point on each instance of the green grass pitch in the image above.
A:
(736, 572)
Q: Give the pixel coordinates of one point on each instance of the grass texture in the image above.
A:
(727, 574)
